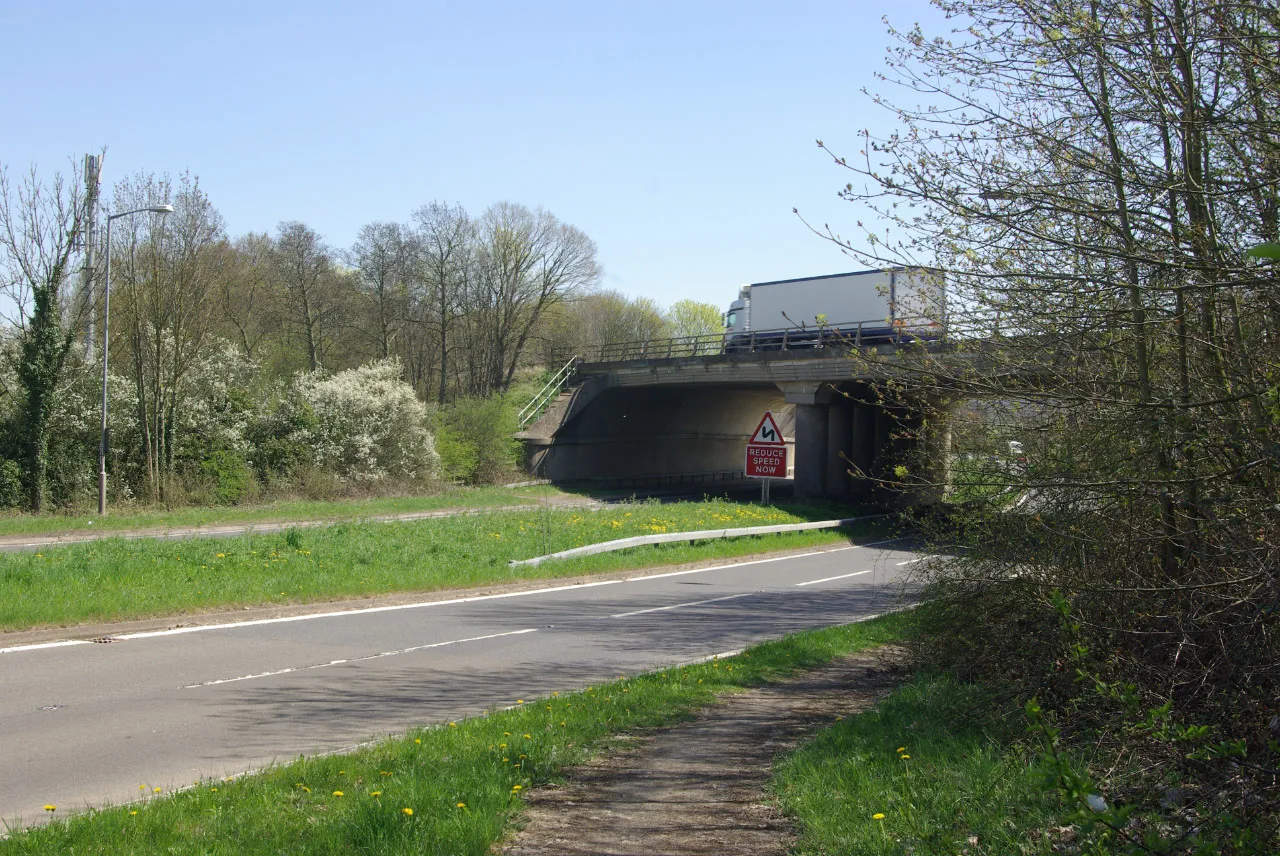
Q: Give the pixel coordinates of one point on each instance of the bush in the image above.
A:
(476, 440)
(11, 492)
(231, 477)
(364, 424)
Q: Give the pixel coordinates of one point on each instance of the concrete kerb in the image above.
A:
(701, 535)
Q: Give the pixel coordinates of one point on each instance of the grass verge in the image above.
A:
(448, 789)
(16, 523)
(117, 579)
(937, 767)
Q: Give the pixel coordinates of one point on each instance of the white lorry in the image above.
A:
(864, 307)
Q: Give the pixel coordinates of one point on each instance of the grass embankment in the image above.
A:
(936, 767)
(450, 789)
(115, 579)
(14, 523)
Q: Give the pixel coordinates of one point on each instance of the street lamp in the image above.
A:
(106, 320)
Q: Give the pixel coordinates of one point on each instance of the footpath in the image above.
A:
(698, 789)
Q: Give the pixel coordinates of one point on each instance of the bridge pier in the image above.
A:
(812, 401)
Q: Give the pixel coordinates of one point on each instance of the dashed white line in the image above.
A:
(912, 561)
(644, 577)
(356, 659)
(829, 579)
(679, 605)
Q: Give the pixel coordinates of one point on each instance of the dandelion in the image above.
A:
(417, 740)
(155, 790)
(142, 787)
(213, 790)
(408, 812)
(878, 816)
(339, 794)
(132, 813)
(375, 793)
(527, 737)
(462, 805)
(50, 808)
(517, 788)
(519, 701)
(453, 725)
(902, 749)
(905, 757)
(222, 555)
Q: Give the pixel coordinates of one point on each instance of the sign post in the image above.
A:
(766, 455)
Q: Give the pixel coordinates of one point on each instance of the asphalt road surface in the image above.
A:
(84, 724)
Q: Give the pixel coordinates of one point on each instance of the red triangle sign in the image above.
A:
(767, 433)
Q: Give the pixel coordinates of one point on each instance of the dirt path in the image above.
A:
(698, 788)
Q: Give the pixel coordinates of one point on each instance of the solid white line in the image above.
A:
(738, 564)
(829, 579)
(357, 659)
(680, 605)
(41, 645)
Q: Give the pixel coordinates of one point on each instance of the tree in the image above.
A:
(302, 265)
(527, 261)
(165, 272)
(382, 257)
(1087, 177)
(445, 253)
(249, 310)
(39, 226)
(700, 321)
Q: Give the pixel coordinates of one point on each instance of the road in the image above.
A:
(84, 724)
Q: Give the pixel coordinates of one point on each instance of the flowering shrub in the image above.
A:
(363, 424)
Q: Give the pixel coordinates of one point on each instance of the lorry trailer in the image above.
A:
(863, 307)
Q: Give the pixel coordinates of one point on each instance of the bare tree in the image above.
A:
(445, 252)
(302, 265)
(382, 257)
(248, 307)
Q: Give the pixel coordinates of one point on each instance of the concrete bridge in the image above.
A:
(643, 419)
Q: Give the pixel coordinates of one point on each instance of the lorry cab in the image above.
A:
(735, 320)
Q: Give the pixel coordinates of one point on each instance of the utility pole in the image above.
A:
(92, 172)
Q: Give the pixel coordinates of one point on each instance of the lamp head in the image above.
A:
(161, 209)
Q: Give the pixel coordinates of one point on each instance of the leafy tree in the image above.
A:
(39, 225)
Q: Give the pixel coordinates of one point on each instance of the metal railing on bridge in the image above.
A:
(831, 336)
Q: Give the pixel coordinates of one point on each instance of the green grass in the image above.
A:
(463, 782)
(942, 762)
(117, 579)
(15, 523)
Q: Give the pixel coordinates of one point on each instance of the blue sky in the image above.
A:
(678, 135)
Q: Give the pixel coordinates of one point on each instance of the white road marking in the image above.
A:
(912, 561)
(201, 628)
(829, 579)
(41, 645)
(738, 564)
(680, 605)
(356, 659)
(366, 611)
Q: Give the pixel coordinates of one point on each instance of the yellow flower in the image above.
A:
(213, 790)
(462, 805)
(338, 794)
(132, 813)
(527, 737)
(902, 749)
(155, 790)
(519, 701)
(222, 555)
(375, 793)
(905, 757)
(417, 740)
(408, 812)
(50, 808)
(453, 725)
(878, 816)
(517, 788)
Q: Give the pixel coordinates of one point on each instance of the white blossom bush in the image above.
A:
(364, 424)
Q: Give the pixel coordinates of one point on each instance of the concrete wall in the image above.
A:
(632, 432)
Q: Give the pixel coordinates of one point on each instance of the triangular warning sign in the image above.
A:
(767, 433)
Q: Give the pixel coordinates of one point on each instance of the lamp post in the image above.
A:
(106, 316)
